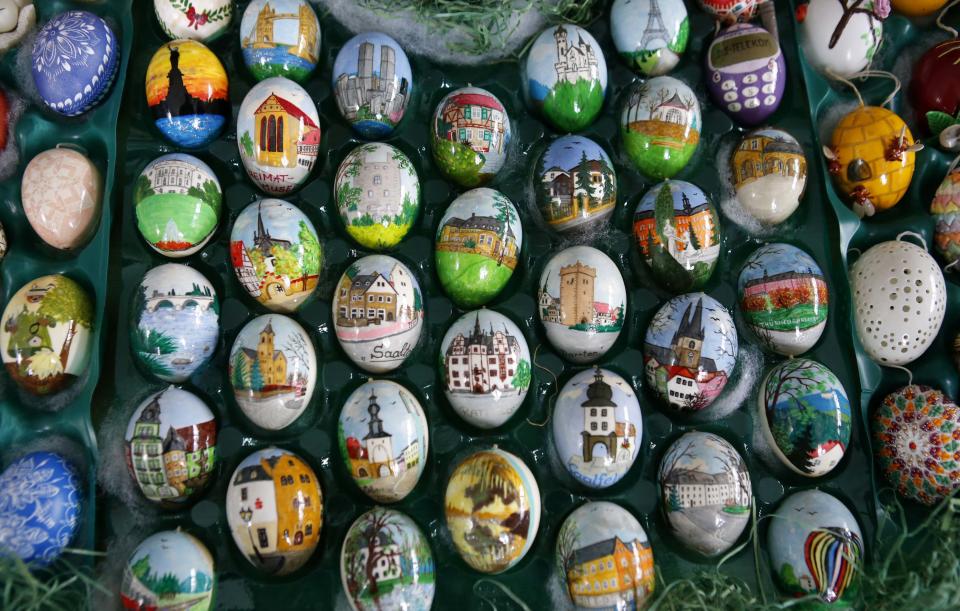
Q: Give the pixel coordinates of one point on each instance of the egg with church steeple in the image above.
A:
(383, 439)
(690, 351)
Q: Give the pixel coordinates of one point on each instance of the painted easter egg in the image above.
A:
(177, 199)
(746, 73)
(582, 303)
(871, 158)
(601, 542)
(836, 40)
(706, 493)
(935, 99)
(471, 136)
(486, 367)
(769, 172)
(40, 504)
(405, 573)
(187, 92)
(372, 83)
(816, 547)
(276, 254)
(176, 322)
(47, 334)
(3, 242)
(195, 19)
(378, 195)
(945, 209)
(378, 313)
(916, 430)
(280, 38)
(566, 77)
(899, 301)
(730, 11)
(917, 8)
(597, 427)
(278, 133)
(805, 416)
(167, 570)
(575, 184)
(478, 246)
(383, 439)
(660, 126)
(74, 61)
(784, 298)
(171, 447)
(62, 194)
(275, 510)
(690, 351)
(650, 35)
(273, 370)
(677, 229)
(492, 509)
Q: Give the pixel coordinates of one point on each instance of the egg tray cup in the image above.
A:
(62, 422)
(813, 227)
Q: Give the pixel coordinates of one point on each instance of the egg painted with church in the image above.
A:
(280, 38)
(650, 35)
(278, 134)
(372, 84)
(383, 439)
(690, 351)
(486, 367)
(660, 126)
(746, 73)
(575, 184)
(769, 172)
(677, 229)
(171, 447)
(470, 136)
(378, 313)
(597, 427)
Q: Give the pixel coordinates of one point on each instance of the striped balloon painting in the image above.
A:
(831, 555)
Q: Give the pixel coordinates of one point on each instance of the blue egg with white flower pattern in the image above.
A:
(74, 61)
(39, 507)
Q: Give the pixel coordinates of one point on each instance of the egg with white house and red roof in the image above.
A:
(471, 136)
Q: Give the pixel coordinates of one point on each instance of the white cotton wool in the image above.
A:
(740, 389)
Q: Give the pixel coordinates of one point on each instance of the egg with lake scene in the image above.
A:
(660, 126)
(769, 172)
(378, 313)
(273, 371)
(601, 533)
(275, 510)
(383, 439)
(40, 507)
(690, 351)
(174, 553)
(275, 254)
(62, 194)
(378, 195)
(677, 229)
(280, 38)
(597, 427)
(708, 524)
(478, 246)
(838, 40)
(372, 83)
(470, 136)
(74, 61)
(188, 93)
(815, 547)
(575, 184)
(566, 77)
(650, 35)
(486, 367)
(411, 573)
(177, 200)
(176, 322)
(746, 73)
(784, 298)
(582, 303)
(805, 416)
(47, 334)
(196, 19)
(730, 11)
(278, 134)
(945, 209)
(492, 509)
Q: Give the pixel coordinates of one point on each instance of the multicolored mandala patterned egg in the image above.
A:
(945, 209)
(917, 432)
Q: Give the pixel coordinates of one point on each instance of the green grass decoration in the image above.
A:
(69, 587)
(573, 106)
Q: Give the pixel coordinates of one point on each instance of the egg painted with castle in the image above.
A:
(372, 83)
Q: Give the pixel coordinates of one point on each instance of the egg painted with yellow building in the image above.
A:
(871, 158)
(275, 510)
(769, 174)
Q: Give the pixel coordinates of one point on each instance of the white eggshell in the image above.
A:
(61, 195)
(857, 39)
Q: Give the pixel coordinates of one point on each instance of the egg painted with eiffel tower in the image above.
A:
(187, 92)
(746, 73)
(597, 427)
(650, 35)
(690, 351)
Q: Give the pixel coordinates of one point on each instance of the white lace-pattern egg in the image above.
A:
(899, 299)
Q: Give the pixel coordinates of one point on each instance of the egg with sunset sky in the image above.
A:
(187, 91)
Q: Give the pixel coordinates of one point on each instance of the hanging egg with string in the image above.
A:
(933, 87)
(841, 40)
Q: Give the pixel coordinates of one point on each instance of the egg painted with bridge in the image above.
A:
(280, 38)
(746, 73)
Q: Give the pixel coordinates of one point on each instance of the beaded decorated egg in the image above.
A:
(945, 209)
